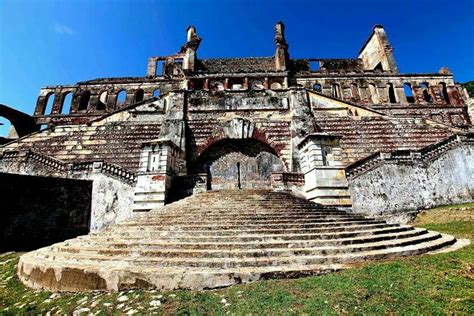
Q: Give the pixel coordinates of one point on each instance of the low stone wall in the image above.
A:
(395, 191)
(39, 211)
(111, 199)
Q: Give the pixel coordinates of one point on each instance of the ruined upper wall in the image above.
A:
(377, 53)
(371, 79)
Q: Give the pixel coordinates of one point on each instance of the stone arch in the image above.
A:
(231, 163)
(102, 101)
(139, 95)
(407, 88)
(84, 100)
(66, 102)
(392, 97)
(443, 91)
(121, 99)
(425, 90)
(374, 95)
(49, 103)
(238, 128)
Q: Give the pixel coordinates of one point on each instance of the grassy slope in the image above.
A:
(430, 284)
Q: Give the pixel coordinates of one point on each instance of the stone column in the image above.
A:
(324, 172)
(160, 161)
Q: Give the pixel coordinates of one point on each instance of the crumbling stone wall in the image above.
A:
(395, 191)
(39, 211)
(110, 200)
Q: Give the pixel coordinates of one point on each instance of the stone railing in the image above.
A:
(58, 165)
(424, 154)
(10, 155)
(283, 179)
(47, 161)
(116, 171)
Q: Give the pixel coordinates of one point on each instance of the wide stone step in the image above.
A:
(152, 245)
(249, 237)
(242, 209)
(221, 238)
(191, 223)
(252, 253)
(343, 255)
(270, 215)
(245, 221)
(233, 231)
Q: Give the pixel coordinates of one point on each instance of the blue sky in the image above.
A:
(50, 42)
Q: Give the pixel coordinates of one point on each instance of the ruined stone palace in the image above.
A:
(354, 135)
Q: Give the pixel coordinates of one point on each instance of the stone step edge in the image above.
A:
(33, 271)
(257, 245)
(368, 232)
(231, 260)
(336, 245)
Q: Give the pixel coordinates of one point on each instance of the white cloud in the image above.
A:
(63, 29)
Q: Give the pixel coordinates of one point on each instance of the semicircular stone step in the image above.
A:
(220, 238)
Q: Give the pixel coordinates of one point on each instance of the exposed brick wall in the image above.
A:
(450, 115)
(367, 135)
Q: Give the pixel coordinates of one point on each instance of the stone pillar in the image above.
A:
(160, 161)
(324, 173)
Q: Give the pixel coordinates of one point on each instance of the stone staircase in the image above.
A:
(220, 238)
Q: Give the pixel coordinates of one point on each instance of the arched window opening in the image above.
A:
(67, 102)
(139, 95)
(102, 103)
(391, 93)
(426, 93)
(443, 90)
(276, 86)
(336, 90)
(84, 101)
(121, 98)
(257, 85)
(159, 67)
(49, 103)
(156, 93)
(408, 93)
(374, 95)
(317, 87)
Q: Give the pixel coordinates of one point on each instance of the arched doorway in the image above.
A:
(239, 164)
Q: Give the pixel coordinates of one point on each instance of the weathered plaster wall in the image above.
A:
(395, 191)
(111, 199)
(39, 211)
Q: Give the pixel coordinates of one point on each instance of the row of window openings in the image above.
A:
(336, 92)
(255, 85)
(84, 101)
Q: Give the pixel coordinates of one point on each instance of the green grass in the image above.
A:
(428, 285)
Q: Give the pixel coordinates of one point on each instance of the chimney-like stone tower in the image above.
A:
(281, 54)
(190, 49)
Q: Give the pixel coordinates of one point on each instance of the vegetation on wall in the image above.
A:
(470, 88)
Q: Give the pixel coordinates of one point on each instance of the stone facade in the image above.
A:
(192, 124)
